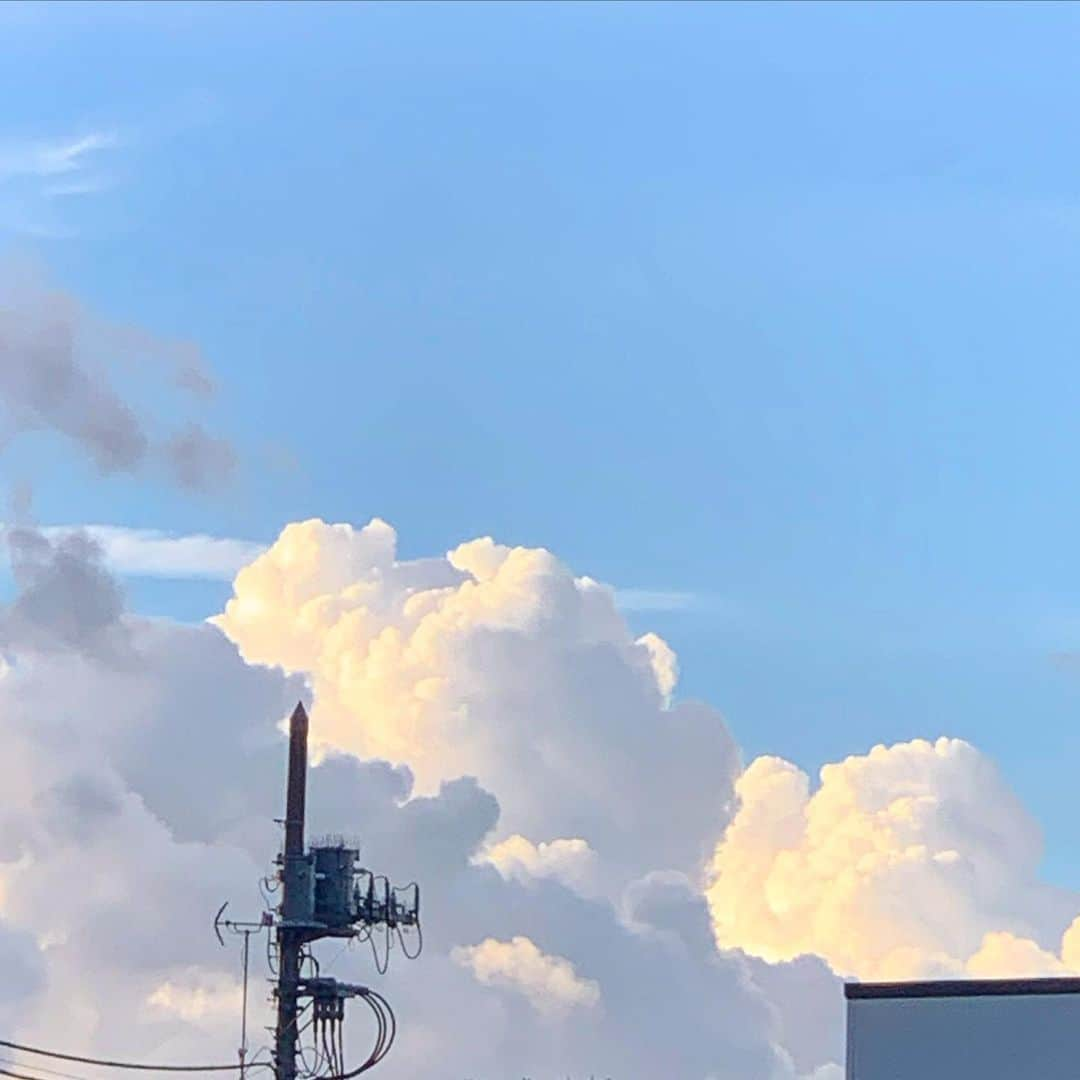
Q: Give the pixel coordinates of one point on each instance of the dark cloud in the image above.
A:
(66, 600)
(191, 376)
(66, 371)
(198, 461)
(44, 384)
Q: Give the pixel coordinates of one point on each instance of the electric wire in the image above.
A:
(40, 1069)
(419, 943)
(271, 952)
(387, 1031)
(105, 1063)
(18, 1075)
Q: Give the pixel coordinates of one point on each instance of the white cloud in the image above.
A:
(549, 982)
(498, 663)
(152, 778)
(35, 172)
(571, 862)
(914, 860)
(52, 157)
(196, 994)
(154, 553)
(157, 553)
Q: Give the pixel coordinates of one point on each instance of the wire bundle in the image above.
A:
(105, 1063)
(327, 1048)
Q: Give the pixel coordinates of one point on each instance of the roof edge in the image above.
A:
(949, 988)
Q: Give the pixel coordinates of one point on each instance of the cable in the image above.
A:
(419, 943)
(41, 1069)
(310, 1070)
(271, 949)
(384, 1039)
(18, 1076)
(383, 967)
(116, 1064)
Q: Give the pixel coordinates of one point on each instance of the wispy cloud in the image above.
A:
(51, 157)
(36, 171)
(656, 600)
(160, 554)
(153, 553)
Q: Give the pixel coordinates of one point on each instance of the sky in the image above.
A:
(762, 314)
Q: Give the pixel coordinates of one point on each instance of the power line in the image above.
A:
(40, 1069)
(18, 1076)
(118, 1064)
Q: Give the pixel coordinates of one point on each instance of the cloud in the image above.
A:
(154, 785)
(548, 982)
(44, 383)
(499, 663)
(469, 708)
(199, 461)
(154, 553)
(52, 157)
(912, 861)
(657, 600)
(157, 553)
(66, 602)
(34, 172)
(191, 376)
(58, 373)
(571, 862)
(197, 994)
(601, 877)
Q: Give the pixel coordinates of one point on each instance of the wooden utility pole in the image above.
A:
(293, 926)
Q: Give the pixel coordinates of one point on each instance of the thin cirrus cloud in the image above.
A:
(658, 600)
(53, 157)
(159, 554)
(35, 172)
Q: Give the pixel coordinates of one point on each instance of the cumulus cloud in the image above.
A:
(488, 725)
(197, 994)
(516, 858)
(548, 982)
(58, 373)
(154, 786)
(500, 663)
(911, 861)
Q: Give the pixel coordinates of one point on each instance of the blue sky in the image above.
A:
(774, 305)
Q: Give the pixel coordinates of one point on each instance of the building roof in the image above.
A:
(961, 988)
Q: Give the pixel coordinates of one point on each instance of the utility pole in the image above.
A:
(325, 893)
(295, 875)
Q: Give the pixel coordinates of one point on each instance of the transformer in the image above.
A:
(334, 895)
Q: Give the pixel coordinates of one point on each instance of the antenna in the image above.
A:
(324, 893)
(246, 929)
